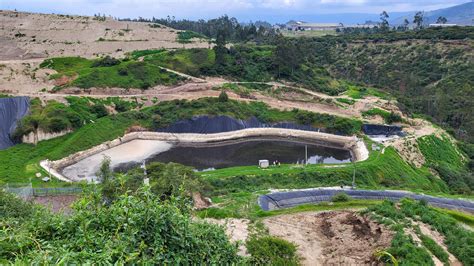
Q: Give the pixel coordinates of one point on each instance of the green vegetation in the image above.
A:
(458, 239)
(433, 247)
(141, 53)
(249, 63)
(404, 249)
(459, 216)
(340, 197)
(108, 72)
(389, 117)
(136, 228)
(346, 101)
(195, 62)
(166, 180)
(270, 250)
(188, 35)
(56, 117)
(434, 78)
(443, 156)
(379, 171)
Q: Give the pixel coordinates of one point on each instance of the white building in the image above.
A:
(303, 26)
(433, 25)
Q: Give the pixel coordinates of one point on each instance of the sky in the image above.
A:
(245, 10)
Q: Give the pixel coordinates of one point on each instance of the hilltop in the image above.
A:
(31, 35)
(462, 14)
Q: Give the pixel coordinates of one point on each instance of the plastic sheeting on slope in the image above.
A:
(373, 129)
(11, 111)
(289, 199)
(222, 123)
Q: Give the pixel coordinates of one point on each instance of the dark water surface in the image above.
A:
(249, 152)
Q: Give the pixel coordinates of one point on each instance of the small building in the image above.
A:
(263, 163)
(304, 26)
(434, 25)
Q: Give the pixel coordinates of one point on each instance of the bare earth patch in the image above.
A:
(60, 203)
(332, 238)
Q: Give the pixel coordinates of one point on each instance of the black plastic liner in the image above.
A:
(373, 129)
(222, 123)
(289, 199)
(11, 111)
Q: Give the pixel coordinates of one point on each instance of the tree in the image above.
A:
(418, 20)
(286, 56)
(220, 49)
(384, 26)
(406, 23)
(441, 20)
(223, 97)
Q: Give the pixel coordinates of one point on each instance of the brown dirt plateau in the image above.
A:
(31, 35)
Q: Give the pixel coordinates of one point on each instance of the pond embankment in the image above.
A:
(164, 141)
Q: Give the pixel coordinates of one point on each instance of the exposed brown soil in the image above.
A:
(236, 229)
(60, 203)
(332, 238)
(31, 35)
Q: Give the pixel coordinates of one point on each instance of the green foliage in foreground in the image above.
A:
(404, 249)
(102, 73)
(270, 250)
(134, 229)
(434, 248)
(458, 239)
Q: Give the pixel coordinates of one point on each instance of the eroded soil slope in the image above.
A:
(332, 238)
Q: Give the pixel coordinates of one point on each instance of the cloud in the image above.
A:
(348, 2)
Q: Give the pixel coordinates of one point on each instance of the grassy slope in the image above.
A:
(19, 163)
(379, 171)
(189, 61)
(124, 74)
(457, 238)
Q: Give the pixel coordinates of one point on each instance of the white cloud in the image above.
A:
(348, 2)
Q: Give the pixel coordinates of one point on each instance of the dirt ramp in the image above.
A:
(332, 238)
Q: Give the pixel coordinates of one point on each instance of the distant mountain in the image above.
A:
(462, 14)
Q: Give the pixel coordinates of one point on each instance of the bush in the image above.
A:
(99, 110)
(340, 197)
(270, 250)
(106, 62)
(223, 97)
(134, 229)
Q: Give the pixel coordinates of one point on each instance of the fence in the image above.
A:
(28, 191)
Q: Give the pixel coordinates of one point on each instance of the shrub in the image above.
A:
(106, 62)
(223, 97)
(340, 197)
(134, 229)
(270, 250)
(99, 110)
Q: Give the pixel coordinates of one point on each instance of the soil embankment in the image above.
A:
(332, 238)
